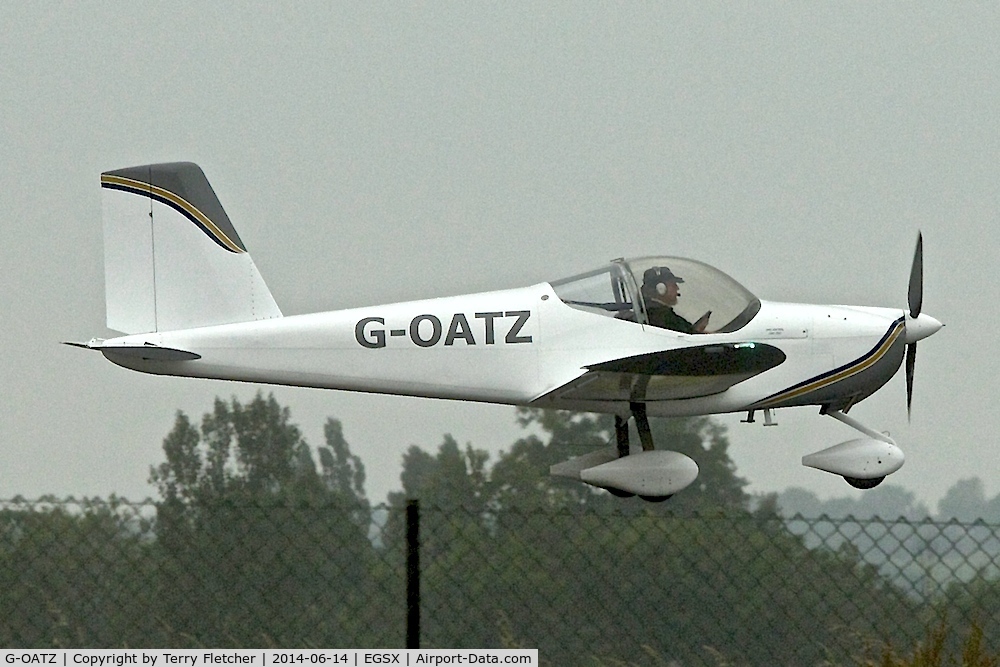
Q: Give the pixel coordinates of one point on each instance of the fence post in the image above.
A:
(413, 573)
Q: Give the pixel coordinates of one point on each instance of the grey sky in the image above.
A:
(370, 153)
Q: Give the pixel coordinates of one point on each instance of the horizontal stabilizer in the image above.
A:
(147, 352)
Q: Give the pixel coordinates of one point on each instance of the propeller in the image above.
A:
(918, 326)
(916, 293)
(911, 363)
(915, 298)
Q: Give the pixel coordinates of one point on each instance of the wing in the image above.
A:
(688, 372)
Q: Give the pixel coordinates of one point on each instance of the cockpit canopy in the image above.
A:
(642, 289)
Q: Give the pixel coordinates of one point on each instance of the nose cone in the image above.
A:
(920, 327)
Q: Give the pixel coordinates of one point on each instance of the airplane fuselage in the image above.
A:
(520, 346)
(646, 336)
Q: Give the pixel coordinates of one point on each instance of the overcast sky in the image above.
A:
(378, 152)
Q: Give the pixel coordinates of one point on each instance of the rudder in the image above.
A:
(172, 258)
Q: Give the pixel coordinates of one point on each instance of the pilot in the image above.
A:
(660, 291)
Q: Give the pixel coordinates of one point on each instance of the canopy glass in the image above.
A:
(675, 293)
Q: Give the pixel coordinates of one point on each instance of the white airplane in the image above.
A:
(620, 339)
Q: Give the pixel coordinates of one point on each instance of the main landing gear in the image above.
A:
(653, 475)
(645, 438)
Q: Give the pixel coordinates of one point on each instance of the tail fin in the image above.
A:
(172, 258)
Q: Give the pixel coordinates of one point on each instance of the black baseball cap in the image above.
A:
(659, 274)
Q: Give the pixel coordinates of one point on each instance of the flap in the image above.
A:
(702, 360)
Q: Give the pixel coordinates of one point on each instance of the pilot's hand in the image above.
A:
(702, 322)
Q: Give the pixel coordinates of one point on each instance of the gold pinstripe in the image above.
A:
(146, 189)
(842, 375)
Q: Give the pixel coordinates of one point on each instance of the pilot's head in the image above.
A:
(660, 284)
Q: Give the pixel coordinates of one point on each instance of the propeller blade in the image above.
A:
(916, 293)
(911, 362)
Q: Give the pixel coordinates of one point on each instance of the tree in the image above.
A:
(342, 471)
(259, 545)
(75, 573)
(965, 501)
(453, 490)
(500, 544)
(452, 477)
(521, 475)
(249, 448)
(888, 501)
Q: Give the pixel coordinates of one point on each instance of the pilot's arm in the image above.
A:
(666, 318)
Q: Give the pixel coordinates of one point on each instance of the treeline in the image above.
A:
(260, 540)
(965, 501)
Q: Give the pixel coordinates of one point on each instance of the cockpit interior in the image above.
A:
(675, 293)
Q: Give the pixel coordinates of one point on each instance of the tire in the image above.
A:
(656, 499)
(864, 483)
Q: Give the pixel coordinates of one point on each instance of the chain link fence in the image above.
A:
(584, 588)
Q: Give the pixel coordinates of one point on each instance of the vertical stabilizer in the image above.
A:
(172, 258)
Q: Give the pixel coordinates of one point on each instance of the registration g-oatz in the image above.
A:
(640, 337)
(32, 658)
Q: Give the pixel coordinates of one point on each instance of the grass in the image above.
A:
(933, 652)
